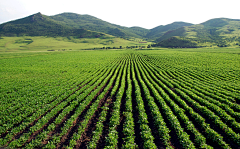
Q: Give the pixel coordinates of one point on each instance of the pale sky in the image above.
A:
(147, 14)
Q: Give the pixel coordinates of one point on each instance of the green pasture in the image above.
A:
(41, 43)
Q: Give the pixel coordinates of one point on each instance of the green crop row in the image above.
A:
(112, 138)
(146, 134)
(128, 126)
(210, 134)
(93, 108)
(182, 136)
(78, 98)
(182, 98)
(69, 123)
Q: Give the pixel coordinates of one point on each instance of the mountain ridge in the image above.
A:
(213, 32)
(87, 22)
(92, 23)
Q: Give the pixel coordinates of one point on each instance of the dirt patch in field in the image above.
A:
(58, 127)
(102, 142)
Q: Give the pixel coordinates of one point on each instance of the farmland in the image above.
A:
(166, 98)
(42, 43)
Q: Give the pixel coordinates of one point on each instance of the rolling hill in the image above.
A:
(41, 25)
(160, 30)
(220, 32)
(71, 24)
(94, 24)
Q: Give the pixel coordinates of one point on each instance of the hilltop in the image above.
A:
(41, 25)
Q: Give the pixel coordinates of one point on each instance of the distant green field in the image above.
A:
(13, 44)
(128, 98)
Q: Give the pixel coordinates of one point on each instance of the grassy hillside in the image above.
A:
(68, 24)
(41, 43)
(221, 32)
(177, 32)
(94, 24)
(160, 30)
(41, 25)
(79, 26)
(178, 42)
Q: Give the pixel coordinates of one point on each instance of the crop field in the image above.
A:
(173, 98)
